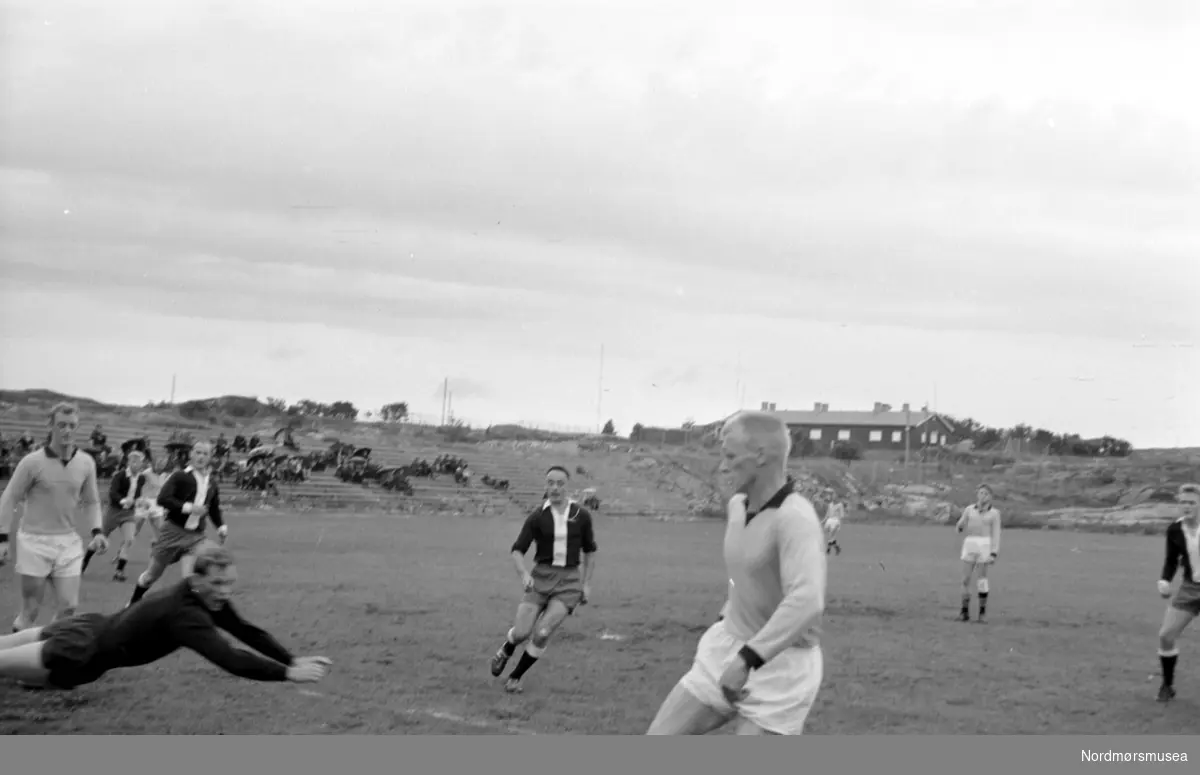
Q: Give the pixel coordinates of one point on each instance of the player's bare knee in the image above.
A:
(542, 636)
(982, 586)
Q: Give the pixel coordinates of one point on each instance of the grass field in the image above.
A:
(411, 609)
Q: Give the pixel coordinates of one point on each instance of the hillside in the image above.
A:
(1133, 493)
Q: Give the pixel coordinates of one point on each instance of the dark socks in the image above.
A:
(1168, 669)
(522, 666)
(508, 648)
(983, 596)
(87, 557)
(121, 564)
(966, 604)
(138, 592)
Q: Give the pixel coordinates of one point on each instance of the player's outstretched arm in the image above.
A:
(192, 631)
(229, 620)
(802, 571)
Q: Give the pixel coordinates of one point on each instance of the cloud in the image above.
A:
(512, 185)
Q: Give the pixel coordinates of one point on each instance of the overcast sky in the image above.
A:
(993, 203)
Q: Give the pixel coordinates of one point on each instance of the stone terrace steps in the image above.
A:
(623, 491)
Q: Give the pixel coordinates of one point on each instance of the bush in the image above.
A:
(847, 452)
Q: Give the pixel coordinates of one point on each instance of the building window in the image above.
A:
(933, 437)
(897, 437)
(876, 436)
(924, 437)
(815, 434)
(843, 435)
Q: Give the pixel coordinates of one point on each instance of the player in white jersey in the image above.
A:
(833, 523)
(981, 547)
(761, 662)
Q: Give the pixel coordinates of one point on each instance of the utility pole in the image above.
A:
(445, 397)
(600, 395)
(173, 389)
(737, 386)
(907, 435)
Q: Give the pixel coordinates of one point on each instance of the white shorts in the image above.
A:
(781, 692)
(49, 556)
(976, 549)
(832, 526)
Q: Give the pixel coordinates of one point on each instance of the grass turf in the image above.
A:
(411, 609)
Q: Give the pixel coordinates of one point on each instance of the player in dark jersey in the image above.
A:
(79, 650)
(560, 580)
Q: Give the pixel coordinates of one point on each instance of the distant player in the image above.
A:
(761, 662)
(77, 651)
(189, 498)
(122, 512)
(560, 580)
(981, 547)
(833, 524)
(1183, 551)
(56, 483)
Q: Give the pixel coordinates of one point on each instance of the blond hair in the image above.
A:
(762, 430)
(212, 557)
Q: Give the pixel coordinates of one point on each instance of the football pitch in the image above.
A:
(411, 609)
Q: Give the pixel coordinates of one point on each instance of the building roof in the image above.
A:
(859, 419)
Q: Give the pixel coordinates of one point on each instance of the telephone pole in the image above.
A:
(600, 395)
(907, 435)
(445, 397)
(173, 389)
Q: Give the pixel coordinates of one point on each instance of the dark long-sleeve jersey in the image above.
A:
(176, 618)
(1183, 551)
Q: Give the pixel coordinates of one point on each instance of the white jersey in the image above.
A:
(981, 525)
(833, 520)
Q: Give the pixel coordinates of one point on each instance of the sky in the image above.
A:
(990, 207)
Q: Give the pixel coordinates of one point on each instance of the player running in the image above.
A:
(981, 547)
(1183, 551)
(560, 579)
(190, 498)
(761, 662)
(77, 651)
(125, 510)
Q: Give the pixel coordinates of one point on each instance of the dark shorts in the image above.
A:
(114, 518)
(174, 543)
(1187, 598)
(69, 650)
(550, 583)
